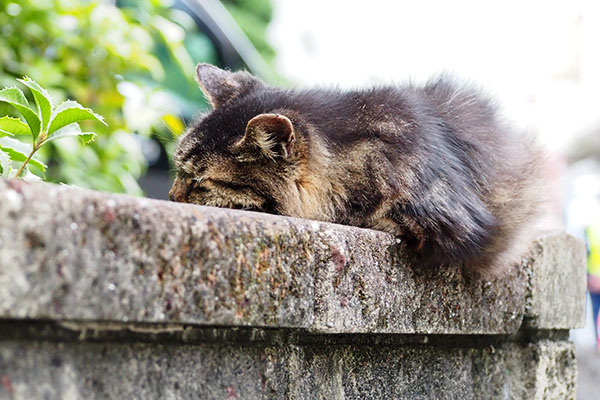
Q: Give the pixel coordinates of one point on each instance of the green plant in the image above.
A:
(118, 61)
(131, 61)
(44, 123)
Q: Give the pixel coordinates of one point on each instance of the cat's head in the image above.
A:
(246, 153)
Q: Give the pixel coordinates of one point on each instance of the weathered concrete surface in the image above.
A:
(54, 370)
(92, 256)
(105, 296)
(557, 283)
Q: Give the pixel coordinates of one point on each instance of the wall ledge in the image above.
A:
(83, 271)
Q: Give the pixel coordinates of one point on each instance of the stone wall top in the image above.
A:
(80, 255)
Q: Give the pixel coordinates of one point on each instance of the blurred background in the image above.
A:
(132, 61)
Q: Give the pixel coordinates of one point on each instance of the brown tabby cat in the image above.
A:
(433, 165)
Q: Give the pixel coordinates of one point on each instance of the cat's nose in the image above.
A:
(175, 192)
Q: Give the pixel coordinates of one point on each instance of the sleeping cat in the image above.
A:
(434, 165)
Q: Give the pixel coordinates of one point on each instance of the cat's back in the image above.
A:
(389, 111)
(472, 180)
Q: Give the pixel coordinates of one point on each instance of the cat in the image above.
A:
(434, 164)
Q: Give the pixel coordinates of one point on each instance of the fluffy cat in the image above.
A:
(434, 165)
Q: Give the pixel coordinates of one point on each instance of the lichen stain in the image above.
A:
(231, 393)
(16, 185)
(211, 277)
(237, 283)
(338, 259)
(262, 261)
(6, 383)
(215, 235)
(109, 216)
(344, 302)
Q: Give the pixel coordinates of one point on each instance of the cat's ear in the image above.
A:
(272, 134)
(220, 86)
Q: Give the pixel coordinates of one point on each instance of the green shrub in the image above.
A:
(125, 63)
(132, 61)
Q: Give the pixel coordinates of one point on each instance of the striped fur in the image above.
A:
(434, 165)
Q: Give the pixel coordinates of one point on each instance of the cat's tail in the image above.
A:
(523, 200)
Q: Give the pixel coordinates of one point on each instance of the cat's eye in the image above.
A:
(190, 186)
(245, 208)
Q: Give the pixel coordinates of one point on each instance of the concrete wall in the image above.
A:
(108, 296)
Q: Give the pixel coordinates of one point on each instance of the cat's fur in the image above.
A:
(433, 165)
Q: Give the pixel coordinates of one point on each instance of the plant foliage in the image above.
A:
(44, 122)
(131, 61)
(131, 65)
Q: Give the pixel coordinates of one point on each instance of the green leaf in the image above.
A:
(87, 137)
(19, 151)
(10, 126)
(70, 131)
(16, 98)
(42, 99)
(71, 111)
(4, 163)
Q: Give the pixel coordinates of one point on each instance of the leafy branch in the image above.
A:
(44, 123)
